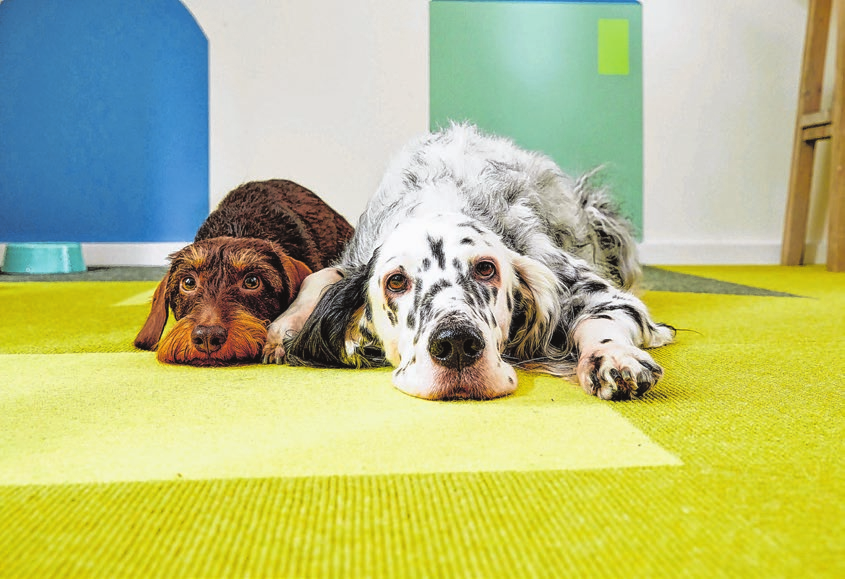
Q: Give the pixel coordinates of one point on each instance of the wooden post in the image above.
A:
(836, 209)
(809, 103)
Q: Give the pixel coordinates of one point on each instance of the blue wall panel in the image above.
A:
(103, 121)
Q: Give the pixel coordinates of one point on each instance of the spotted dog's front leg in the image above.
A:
(293, 319)
(610, 366)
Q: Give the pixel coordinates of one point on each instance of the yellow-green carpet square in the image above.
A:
(113, 465)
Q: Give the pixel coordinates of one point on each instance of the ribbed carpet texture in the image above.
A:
(113, 465)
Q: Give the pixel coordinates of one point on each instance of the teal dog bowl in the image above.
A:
(43, 258)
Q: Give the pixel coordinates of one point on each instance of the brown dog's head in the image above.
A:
(223, 291)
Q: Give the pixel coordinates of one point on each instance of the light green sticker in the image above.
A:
(613, 46)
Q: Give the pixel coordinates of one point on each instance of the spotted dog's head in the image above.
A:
(223, 292)
(440, 300)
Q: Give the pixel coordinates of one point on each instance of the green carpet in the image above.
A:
(112, 465)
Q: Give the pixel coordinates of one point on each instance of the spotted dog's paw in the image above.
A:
(274, 351)
(617, 371)
(284, 326)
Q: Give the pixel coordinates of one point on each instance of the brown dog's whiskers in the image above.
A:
(245, 340)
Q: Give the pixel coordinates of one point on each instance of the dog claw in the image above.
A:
(273, 354)
(618, 373)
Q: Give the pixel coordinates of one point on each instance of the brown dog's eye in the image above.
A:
(485, 269)
(252, 282)
(397, 283)
(188, 284)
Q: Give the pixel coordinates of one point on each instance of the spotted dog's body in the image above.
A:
(473, 256)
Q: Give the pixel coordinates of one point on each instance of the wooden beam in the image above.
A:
(836, 207)
(816, 119)
(809, 102)
(817, 133)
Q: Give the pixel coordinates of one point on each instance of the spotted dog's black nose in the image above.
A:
(456, 347)
(209, 339)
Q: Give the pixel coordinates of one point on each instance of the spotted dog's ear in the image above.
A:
(150, 334)
(536, 310)
(337, 331)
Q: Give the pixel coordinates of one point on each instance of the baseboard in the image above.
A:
(709, 253)
(652, 253)
(134, 254)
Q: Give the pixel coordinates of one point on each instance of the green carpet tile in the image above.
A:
(113, 465)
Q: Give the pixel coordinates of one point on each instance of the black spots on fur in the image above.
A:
(510, 380)
(518, 315)
(426, 264)
(630, 311)
(368, 312)
(411, 180)
(592, 286)
(425, 313)
(435, 289)
(672, 329)
(467, 241)
(473, 226)
(483, 292)
(417, 293)
(512, 192)
(436, 247)
(569, 276)
(600, 317)
(392, 310)
(411, 321)
(510, 303)
(606, 341)
(477, 295)
(456, 263)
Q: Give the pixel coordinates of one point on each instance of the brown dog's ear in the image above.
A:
(148, 337)
(296, 272)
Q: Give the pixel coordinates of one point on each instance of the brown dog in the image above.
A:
(244, 268)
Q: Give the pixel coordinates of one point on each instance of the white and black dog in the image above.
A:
(475, 256)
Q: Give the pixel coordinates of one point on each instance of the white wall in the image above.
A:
(319, 92)
(325, 92)
(721, 90)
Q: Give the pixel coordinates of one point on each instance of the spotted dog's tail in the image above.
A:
(611, 234)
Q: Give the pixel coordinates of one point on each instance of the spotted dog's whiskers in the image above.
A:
(475, 257)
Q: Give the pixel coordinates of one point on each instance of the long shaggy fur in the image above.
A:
(452, 200)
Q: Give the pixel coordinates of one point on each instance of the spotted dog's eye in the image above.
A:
(485, 269)
(188, 284)
(397, 283)
(252, 282)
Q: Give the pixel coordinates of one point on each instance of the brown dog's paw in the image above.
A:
(617, 372)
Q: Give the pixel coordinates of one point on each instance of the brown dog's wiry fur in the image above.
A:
(244, 268)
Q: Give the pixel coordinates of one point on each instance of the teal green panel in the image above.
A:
(529, 71)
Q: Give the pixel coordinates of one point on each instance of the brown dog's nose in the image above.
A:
(456, 348)
(209, 339)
